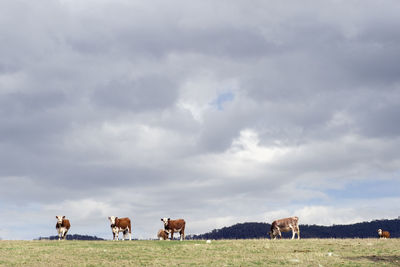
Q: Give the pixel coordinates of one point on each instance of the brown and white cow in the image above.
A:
(162, 234)
(120, 225)
(383, 234)
(62, 227)
(285, 225)
(174, 226)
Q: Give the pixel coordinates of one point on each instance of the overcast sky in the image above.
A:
(217, 112)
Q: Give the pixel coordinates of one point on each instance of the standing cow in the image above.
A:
(383, 234)
(174, 226)
(162, 234)
(62, 227)
(120, 225)
(285, 225)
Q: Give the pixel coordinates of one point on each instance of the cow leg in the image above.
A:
(130, 235)
(62, 233)
(172, 235)
(126, 232)
(298, 232)
(182, 235)
(65, 234)
(293, 232)
(59, 235)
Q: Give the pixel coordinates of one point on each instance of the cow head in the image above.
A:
(165, 221)
(273, 233)
(162, 234)
(60, 218)
(380, 232)
(112, 220)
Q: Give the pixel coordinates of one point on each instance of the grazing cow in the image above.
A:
(383, 234)
(120, 225)
(285, 225)
(62, 227)
(173, 226)
(162, 234)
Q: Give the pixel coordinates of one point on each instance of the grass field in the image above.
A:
(259, 252)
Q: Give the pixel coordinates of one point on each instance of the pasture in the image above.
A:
(256, 252)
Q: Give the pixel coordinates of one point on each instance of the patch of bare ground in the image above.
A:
(378, 259)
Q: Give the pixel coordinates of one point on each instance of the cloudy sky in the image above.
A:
(217, 112)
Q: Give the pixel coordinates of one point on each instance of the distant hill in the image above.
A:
(260, 230)
(72, 237)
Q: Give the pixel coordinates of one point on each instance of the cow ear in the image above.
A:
(109, 218)
(161, 219)
(56, 217)
(169, 219)
(63, 217)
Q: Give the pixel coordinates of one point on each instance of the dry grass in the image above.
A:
(261, 252)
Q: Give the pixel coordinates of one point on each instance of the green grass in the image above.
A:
(259, 252)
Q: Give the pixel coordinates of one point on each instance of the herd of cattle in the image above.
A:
(174, 226)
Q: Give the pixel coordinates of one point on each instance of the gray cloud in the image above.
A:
(140, 94)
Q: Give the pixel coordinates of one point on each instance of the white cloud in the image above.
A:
(84, 211)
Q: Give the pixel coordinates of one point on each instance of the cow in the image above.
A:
(162, 234)
(383, 234)
(120, 225)
(173, 226)
(62, 227)
(285, 225)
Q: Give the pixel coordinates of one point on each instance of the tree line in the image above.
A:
(72, 237)
(260, 230)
